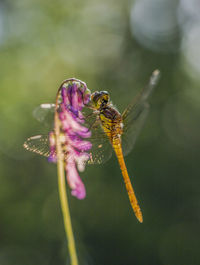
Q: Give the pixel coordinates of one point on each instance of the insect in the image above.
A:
(110, 131)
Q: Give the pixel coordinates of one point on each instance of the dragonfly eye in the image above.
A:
(100, 99)
(95, 96)
(105, 96)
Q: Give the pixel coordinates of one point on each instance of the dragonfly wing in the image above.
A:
(132, 128)
(135, 115)
(38, 144)
(45, 113)
(101, 150)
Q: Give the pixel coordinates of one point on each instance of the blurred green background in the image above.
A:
(114, 46)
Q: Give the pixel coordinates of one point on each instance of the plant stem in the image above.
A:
(63, 196)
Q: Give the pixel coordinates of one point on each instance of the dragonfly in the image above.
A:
(110, 131)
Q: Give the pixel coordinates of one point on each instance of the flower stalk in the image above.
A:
(71, 150)
(67, 145)
(63, 196)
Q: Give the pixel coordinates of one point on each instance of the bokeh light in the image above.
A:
(154, 24)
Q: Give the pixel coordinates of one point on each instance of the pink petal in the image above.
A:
(74, 181)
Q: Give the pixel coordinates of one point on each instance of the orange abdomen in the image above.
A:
(129, 188)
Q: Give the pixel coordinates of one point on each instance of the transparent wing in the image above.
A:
(101, 148)
(132, 127)
(38, 144)
(136, 113)
(45, 113)
(100, 152)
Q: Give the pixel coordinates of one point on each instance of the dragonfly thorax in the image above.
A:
(111, 122)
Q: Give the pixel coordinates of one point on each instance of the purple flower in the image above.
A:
(74, 94)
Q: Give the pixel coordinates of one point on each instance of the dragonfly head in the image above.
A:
(99, 99)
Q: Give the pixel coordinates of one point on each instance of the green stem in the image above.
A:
(63, 196)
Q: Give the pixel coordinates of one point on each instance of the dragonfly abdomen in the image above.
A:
(129, 188)
(112, 125)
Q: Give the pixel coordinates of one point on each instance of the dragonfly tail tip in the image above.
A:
(139, 217)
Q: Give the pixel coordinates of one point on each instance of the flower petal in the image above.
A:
(74, 95)
(74, 181)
